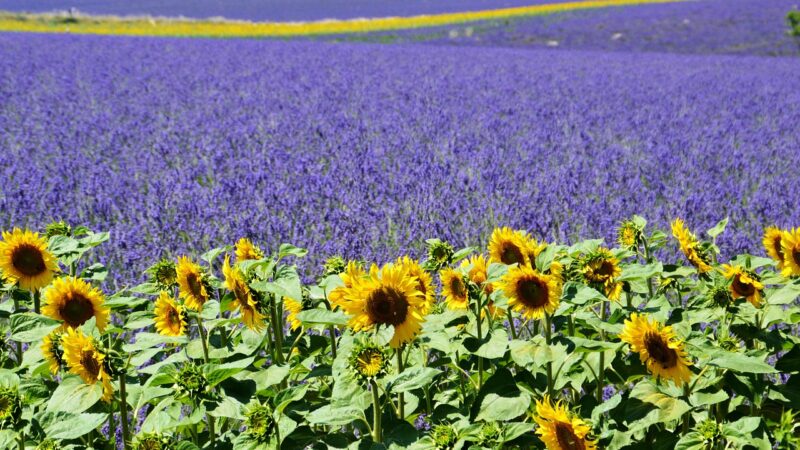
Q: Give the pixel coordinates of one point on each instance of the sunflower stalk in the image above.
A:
(203, 338)
(648, 259)
(400, 397)
(480, 340)
(37, 300)
(376, 412)
(18, 345)
(511, 323)
(600, 369)
(547, 337)
(123, 411)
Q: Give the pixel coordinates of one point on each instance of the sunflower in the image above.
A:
(424, 282)
(454, 290)
(24, 259)
(658, 348)
(601, 268)
(84, 360)
(690, 246)
(790, 244)
(559, 429)
(352, 273)
(294, 307)
(744, 283)
(51, 349)
(629, 235)
(246, 250)
(772, 243)
(235, 282)
(170, 319)
(368, 361)
(74, 302)
(387, 296)
(509, 247)
(191, 283)
(478, 273)
(531, 293)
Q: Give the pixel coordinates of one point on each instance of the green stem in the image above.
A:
(628, 301)
(601, 368)
(376, 412)
(480, 342)
(21, 440)
(547, 338)
(400, 398)
(37, 300)
(203, 339)
(332, 332)
(648, 259)
(570, 325)
(212, 435)
(687, 415)
(19, 344)
(277, 330)
(123, 411)
(511, 323)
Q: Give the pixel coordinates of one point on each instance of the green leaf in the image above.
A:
(322, 316)
(270, 377)
(7, 438)
(329, 415)
(580, 294)
(211, 255)
(94, 239)
(75, 396)
(31, 327)
(691, 441)
(786, 295)
(789, 362)
(739, 362)
(290, 250)
(216, 374)
(718, 228)
(66, 425)
(150, 340)
(412, 378)
(648, 405)
(632, 272)
(500, 398)
(96, 272)
(493, 346)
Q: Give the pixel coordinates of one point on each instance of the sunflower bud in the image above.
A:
(334, 266)
(440, 254)
(728, 343)
(151, 441)
(710, 431)
(444, 436)
(491, 435)
(259, 422)
(368, 361)
(163, 274)
(191, 382)
(48, 444)
(59, 228)
(9, 407)
(629, 235)
(719, 296)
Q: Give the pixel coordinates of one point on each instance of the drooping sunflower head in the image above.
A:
(294, 307)
(772, 243)
(629, 234)
(424, 282)
(560, 429)
(368, 361)
(163, 274)
(790, 244)
(246, 250)
(440, 254)
(691, 247)
(58, 228)
(478, 272)
(658, 347)
(10, 407)
(85, 360)
(444, 436)
(170, 318)
(259, 422)
(74, 301)
(52, 351)
(151, 441)
(508, 246)
(719, 295)
(601, 269)
(531, 293)
(25, 260)
(192, 284)
(243, 296)
(388, 296)
(454, 289)
(334, 266)
(744, 283)
(191, 382)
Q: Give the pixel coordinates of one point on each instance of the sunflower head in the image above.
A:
(151, 441)
(696, 253)
(790, 245)
(52, 351)
(388, 296)
(728, 343)
(193, 284)
(658, 347)
(244, 299)
(560, 429)
(48, 444)
(444, 436)
(294, 307)
(59, 228)
(163, 274)
(10, 406)
(74, 301)
(530, 292)
(629, 234)
(352, 273)
(491, 435)
(368, 361)
(772, 243)
(259, 422)
(719, 295)
(246, 250)
(170, 317)
(744, 283)
(334, 266)
(191, 382)
(601, 269)
(424, 282)
(440, 254)
(85, 360)
(25, 260)
(455, 289)
(478, 272)
(508, 246)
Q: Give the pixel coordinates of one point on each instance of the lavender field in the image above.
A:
(363, 150)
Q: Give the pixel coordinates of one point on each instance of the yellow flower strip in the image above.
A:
(48, 23)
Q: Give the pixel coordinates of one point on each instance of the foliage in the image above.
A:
(478, 375)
